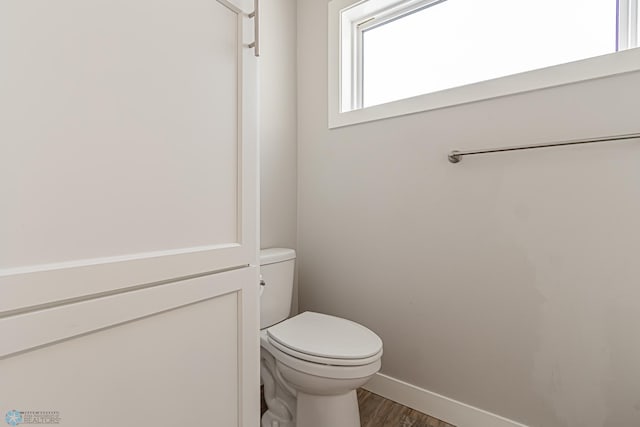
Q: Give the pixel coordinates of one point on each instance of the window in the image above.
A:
(445, 52)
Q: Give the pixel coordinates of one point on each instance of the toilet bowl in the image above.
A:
(312, 363)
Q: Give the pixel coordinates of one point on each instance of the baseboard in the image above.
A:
(438, 406)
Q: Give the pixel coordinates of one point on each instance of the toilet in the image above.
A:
(310, 364)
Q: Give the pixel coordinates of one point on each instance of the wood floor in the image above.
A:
(376, 411)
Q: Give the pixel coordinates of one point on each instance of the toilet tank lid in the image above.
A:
(273, 255)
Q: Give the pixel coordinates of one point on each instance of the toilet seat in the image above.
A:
(324, 360)
(318, 369)
(327, 340)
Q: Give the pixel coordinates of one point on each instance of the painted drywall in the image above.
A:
(509, 282)
(278, 149)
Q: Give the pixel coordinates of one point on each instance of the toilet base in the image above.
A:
(307, 394)
(327, 411)
(280, 399)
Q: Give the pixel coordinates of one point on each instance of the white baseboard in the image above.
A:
(438, 406)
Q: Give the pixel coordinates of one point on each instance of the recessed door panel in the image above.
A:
(150, 372)
(119, 127)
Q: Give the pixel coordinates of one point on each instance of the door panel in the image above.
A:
(129, 145)
(175, 354)
(128, 217)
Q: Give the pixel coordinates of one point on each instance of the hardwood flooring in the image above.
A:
(376, 411)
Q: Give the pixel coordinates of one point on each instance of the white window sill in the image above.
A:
(558, 75)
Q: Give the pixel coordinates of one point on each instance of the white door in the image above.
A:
(128, 214)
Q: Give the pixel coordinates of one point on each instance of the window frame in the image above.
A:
(349, 19)
(627, 37)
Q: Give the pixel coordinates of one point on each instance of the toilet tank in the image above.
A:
(276, 271)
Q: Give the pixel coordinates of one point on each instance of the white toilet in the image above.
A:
(312, 363)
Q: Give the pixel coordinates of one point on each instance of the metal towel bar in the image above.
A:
(456, 155)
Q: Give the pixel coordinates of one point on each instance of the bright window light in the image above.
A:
(452, 43)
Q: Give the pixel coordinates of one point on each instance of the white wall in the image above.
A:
(278, 150)
(508, 281)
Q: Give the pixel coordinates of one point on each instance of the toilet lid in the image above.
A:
(326, 337)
